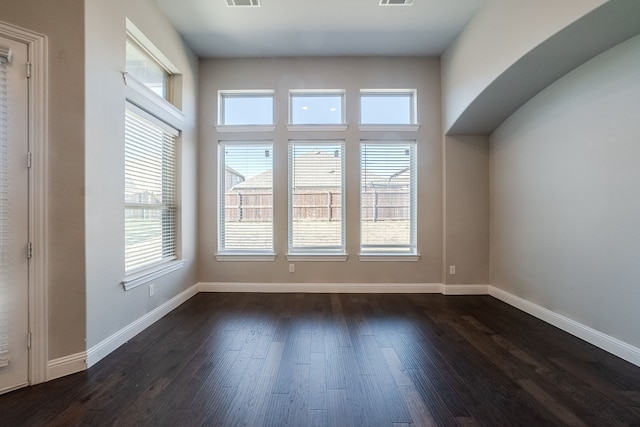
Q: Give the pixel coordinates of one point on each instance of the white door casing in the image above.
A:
(34, 70)
(14, 216)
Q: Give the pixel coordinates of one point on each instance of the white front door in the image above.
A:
(14, 216)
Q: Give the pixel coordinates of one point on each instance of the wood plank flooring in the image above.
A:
(341, 360)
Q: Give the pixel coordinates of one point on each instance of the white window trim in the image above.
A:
(320, 257)
(142, 40)
(143, 97)
(245, 128)
(245, 257)
(385, 257)
(317, 128)
(388, 128)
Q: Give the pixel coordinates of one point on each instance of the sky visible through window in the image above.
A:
(386, 109)
(247, 110)
(316, 109)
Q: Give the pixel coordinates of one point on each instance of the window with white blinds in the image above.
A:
(388, 197)
(316, 198)
(4, 226)
(245, 198)
(150, 191)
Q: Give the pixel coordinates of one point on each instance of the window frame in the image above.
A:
(319, 253)
(311, 127)
(412, 253)
(223, 254)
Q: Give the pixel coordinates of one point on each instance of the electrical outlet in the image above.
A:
(452, 269)
(292, 268)
(152, 290)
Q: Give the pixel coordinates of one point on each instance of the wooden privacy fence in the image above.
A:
(318, 205)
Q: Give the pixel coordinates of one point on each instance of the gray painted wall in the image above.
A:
(564, 196)
(109, 307)
(63, 23)
(466, 242)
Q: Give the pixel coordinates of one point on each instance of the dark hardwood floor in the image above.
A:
(341, 360)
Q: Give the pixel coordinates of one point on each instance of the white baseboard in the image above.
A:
(66, 365)
(108, 345)
(323, 288)
(465, 289)
(608, 343)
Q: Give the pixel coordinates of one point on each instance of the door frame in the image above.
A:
(37, 51)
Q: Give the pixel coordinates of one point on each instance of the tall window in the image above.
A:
(316, 197)
(388, 197)
(245, 197)
(150, 191)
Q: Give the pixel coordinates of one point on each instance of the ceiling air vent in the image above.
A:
(396, 2)
(243, 3)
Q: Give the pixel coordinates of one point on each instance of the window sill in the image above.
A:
(245, 128)
(317, 128)
(246, 257)
(389, 257)
(150, 274)
(317, 257)
(388, 128)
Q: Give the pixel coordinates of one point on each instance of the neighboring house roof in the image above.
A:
(318, 169)
(233, 171)
(258, 182)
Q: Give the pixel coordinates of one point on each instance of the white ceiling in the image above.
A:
(319, 27)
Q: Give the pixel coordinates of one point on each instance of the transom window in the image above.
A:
(383, 107)
(322, 107)
(143, 67)
(245, 108)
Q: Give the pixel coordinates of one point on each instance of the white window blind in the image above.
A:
(316, 197)
(150, 191)
(4, 226)
(388, 197)
(245, 197)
